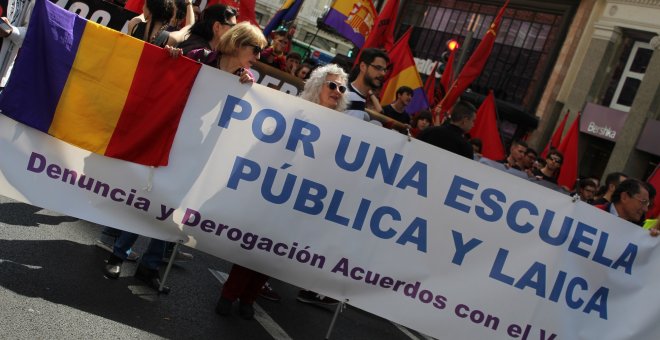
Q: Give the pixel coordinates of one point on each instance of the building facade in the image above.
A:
(611, 73)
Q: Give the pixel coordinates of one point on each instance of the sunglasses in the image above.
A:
(334, 86)
(556, 160)
(255, 48)
(228, 24)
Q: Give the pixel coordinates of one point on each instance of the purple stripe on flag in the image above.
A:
(43, 65)
(418, 101)
(338, 21)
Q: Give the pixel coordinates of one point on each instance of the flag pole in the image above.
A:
(309, 46)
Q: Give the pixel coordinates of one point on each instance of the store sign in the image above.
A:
(649, 140)
(601, 121)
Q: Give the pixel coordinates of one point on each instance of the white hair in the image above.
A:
(317, 79)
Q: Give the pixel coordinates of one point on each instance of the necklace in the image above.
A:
(162, 28)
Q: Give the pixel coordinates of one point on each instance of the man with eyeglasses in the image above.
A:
(551, 169)
(373, 67)
(630, 201)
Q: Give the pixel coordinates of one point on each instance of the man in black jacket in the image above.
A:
(451, 136)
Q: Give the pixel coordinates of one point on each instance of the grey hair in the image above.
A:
(316, 80)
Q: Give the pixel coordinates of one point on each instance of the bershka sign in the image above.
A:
(604, 131)
(602, 122)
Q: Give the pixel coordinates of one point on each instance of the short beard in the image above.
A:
(370, 82)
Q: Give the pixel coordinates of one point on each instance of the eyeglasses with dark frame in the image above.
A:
(256, 49)
(555, 159)
(334, 86)
(380, 68)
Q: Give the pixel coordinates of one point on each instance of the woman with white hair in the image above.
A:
(326, 86)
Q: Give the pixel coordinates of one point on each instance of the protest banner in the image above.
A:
(401, 229)
(397, 227)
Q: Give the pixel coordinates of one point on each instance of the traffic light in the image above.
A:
(452, 44)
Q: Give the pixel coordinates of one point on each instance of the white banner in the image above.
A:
(401, 229)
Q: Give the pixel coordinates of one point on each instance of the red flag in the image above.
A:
(429, 86)
(485, 128)
(654, 180)
(569, 148)
(448, 73)
(245, 9)
(473, 66)
(556, 136)
(382, 33)
(134, 5)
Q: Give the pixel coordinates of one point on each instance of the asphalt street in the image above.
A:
(52, 287)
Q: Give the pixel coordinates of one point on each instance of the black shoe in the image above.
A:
(151, 278)
(223, 307)
(112, 267)
(246, 311)
(308, 296)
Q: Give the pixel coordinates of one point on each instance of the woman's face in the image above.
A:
(303, 72)
(330, 98)
(220, 28)
(423, 124)
(248, 54)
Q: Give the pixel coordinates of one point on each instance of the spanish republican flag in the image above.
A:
(287, 13)
(97, 88)
(353, 19)
(404, 73)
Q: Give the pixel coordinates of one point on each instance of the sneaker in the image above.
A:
(132, 256)
(180, 257)
(112, 267)
(223, 307)
(268, 293)
(246, 311)
(308, 296)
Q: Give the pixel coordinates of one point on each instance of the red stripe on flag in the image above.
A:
(147, 125)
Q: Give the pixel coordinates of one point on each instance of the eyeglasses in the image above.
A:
(556, 159)
(334, 86)
(383, 69)
(256, 49)
(645, 203)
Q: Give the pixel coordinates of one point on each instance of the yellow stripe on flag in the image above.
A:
(407, 77)
(96, 89)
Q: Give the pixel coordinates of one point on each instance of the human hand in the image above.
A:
(245, 77)
(173, 51)
(5, 27)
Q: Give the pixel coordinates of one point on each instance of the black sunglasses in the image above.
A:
(333, 86)
(255, 48)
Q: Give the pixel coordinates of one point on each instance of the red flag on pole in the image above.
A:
(654, 180)
(485, 128)
(246, 9)
(473, 66)
(448, 73)
(382, 33)
(569, 148)
(556, 136)
(429, 86)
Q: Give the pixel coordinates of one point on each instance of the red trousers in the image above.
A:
(243, 284)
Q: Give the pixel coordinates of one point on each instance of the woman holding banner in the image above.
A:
(326, 86)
